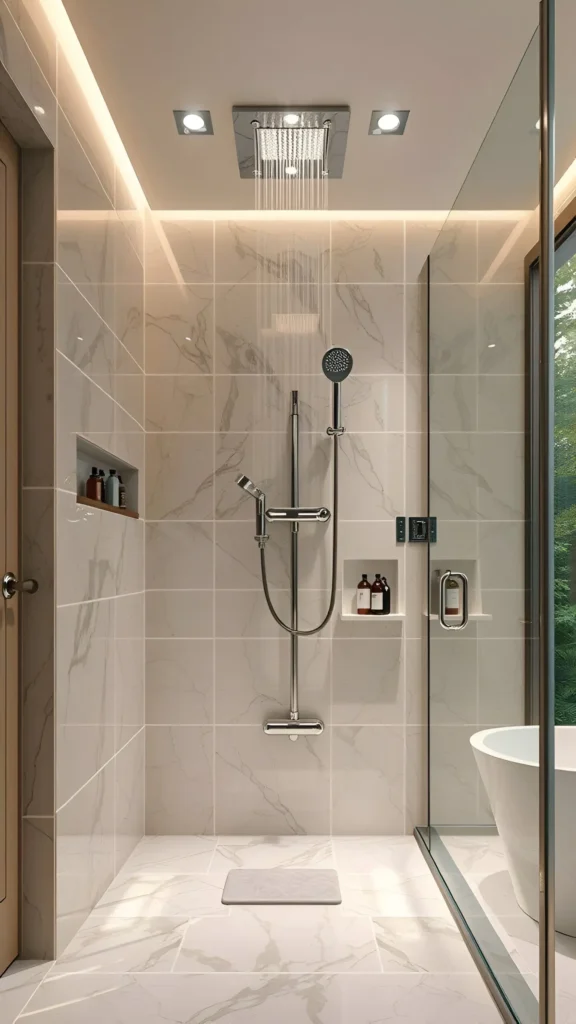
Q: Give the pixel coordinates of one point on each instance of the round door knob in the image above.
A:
(11, 586)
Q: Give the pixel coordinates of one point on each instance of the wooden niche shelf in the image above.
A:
(93, 503)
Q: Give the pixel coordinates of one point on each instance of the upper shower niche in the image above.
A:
(280, 142)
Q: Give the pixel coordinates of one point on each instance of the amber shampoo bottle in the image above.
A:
(363, 596)
(377, 596)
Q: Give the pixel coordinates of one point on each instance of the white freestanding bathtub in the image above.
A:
(508, 763)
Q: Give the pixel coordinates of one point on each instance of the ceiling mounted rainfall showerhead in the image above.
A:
(291, 142)
(337, 364)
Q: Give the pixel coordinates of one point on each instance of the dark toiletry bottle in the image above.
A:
(363, 592)
(112, 489)
(102, 476)
(386, 596)
(377, 596)
(94, 486)
(121, 494)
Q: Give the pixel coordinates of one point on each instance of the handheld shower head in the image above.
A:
(337, 364)
(260, 498)
(246, 484)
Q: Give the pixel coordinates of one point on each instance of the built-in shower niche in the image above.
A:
(351, 576)
(471, 569)
(88, 455)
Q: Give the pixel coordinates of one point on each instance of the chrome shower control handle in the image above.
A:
(12, 586)
(442, 604)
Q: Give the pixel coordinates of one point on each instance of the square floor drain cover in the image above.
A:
(281, 886)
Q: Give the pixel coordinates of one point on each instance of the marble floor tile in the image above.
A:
(118, 945)
(171, 855)
(17, 985)
(430, 944)
(272, 852)
(148, 894)
(383, 893)
(361, 854)
(262, 998)
(476, 855)
(288, 940)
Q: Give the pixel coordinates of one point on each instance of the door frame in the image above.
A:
(10, 545)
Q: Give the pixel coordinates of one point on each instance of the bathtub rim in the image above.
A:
(477, 741)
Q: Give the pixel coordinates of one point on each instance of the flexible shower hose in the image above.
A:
(327, 617)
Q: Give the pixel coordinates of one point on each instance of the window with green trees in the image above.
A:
(565, 491)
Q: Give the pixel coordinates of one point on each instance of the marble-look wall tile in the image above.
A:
(183, 403)
(178, 251)
(368, 682)
(416, 776)
(250, 339)
(252, 679)
(453, 775)
(83, 408)
(368, 780)
(368, 319)
(179, 556)
(455, 254)
(265, 458)
(179, 476)
(85, 852)
(501, 313)
(76, 112)
(180, 681)
(129, 807)
(501, 403)
(98, 555)
(179, 613)
(453, 402)
(271, 252)
(371, 476)
(453, 328)
(179, 328)
(38, 889)
(368, 251)
(258, 791)
(179, 779)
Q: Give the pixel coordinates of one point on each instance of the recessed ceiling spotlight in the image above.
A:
(193, 122)
(291, 171)
(291, 119)
(39, 110)
(388, 122)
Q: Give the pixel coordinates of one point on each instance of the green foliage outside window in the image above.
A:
(565, 492)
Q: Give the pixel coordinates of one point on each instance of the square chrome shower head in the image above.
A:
(269, 139)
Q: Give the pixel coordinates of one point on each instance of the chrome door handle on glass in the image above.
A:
(12, 586)
(442, 604)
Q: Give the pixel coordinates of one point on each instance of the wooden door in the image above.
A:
(9, 550)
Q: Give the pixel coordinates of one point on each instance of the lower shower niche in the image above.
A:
(351, 576)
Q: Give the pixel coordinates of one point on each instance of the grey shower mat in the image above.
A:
(282, 886)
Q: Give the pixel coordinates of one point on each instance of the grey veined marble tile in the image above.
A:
(272, 852)
(150, 892)
(119, 945)
(259, 998)
(279, 939)
(431, 944)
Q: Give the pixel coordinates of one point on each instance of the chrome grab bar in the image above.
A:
(441, 610)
